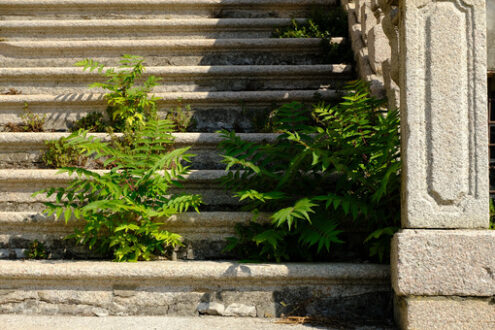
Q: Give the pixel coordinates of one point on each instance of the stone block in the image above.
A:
(446, 313)
(211, 308)
(491, 33)
(368, 19)
(378, 48)
(392, 89)
(443, 263)
(240, 310)
(377, 87)
(357, 9)
(392, 33)
(443, 110)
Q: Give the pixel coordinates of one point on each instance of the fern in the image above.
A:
(129, 105)
(123, 208)
(319, 180)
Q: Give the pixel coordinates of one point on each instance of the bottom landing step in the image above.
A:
(344, 292)
(23, 322)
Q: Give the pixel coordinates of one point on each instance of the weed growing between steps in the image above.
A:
(31, 122)
(36, 250)
(124, 209)
(92, 122)
(128, 102)
(181, 116)
(320, 181)
(324, 24)
(492, 215)
(129, 105)
(61, 154)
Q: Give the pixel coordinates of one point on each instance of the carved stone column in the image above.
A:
(444, 278)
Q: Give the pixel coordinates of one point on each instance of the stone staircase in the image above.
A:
(216, 56)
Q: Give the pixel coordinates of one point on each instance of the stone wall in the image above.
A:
(373, 29)
(490, 15)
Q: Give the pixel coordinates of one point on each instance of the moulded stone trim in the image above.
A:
(443, 103)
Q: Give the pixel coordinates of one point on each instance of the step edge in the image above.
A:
(193, 271)
(174, 97)
(194, 139)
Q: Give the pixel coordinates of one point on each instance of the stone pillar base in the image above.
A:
(444, 279)
(445, 312)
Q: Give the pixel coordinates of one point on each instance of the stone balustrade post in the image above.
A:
(443, 260)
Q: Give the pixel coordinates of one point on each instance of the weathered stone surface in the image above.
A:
(446, 313)
(358, 4)
(444, 263)
(211, 308)
(240, 310)
(210, 111)
(187, 288)
(490, 17)
(181, 78)
(378, 48)
(21, 322)
(159, 9)
(368, 19)
(443, 109)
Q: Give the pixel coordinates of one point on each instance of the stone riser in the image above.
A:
(106, 29)
(166, 9)
(182, 79)
(24, 150)
(17, 186)
(342, 291)
(242, 111)
(204, 235)
(164, 52)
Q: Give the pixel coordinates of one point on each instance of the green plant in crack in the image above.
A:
(31, 122)
(324, 24)
(36, 250)
(318, 180)
(492, 215)
(181, 116)
(92, 122)
(62, 154)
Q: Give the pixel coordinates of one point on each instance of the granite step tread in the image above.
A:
(30, 322)
(66, 80)
(211, 111)
(202, 28)
(189, 288)
(179, 72)
(189, 45)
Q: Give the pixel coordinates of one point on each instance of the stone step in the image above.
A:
(17, 186)
(335, 291)
(211, 111)
(40, 322)
(177, 28)
(204, 234)
(64, 80)
(164, 52)
(24, 150)
(157, 9)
